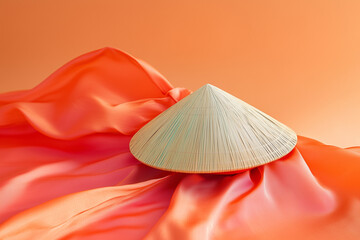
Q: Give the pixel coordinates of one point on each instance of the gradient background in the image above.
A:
(298, 61)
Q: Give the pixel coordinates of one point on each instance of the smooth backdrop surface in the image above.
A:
(298, 61)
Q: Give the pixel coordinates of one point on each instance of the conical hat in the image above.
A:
(211, 131)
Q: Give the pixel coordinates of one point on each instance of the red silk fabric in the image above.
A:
(66, 171)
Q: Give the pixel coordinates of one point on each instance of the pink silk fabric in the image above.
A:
(66, 171)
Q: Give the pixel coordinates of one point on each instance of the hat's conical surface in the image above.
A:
(211, 131)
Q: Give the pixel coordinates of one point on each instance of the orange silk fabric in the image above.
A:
(66, 171)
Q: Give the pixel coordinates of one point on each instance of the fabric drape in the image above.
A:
(66, 171)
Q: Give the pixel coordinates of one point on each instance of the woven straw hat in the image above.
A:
(211, 131)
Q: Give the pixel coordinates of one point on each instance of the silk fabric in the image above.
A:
(66, 171)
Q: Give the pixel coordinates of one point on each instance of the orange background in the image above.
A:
(298, 61)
